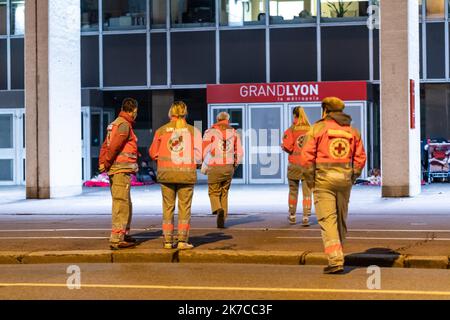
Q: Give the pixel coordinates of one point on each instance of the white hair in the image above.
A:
(223, 116)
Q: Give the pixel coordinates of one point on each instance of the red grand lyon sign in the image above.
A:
(287, 92)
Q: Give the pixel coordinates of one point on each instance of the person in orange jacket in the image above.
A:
(332, 157)
(118, 157)
(292, 144)
(177, 149)
(223, 153)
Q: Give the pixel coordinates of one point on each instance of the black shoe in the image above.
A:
(130, 239)
(333, 270)
(122, 245)
(214, 213)
(220, 219)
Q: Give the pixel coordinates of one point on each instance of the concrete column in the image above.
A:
(52, 98)
(400, 144)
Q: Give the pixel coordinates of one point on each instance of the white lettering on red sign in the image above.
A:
(281, 91)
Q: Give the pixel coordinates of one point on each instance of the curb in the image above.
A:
(221, 256)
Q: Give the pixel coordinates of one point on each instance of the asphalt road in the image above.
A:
(384, 233)
(188, 282)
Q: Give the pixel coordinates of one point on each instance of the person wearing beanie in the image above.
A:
(332, 158)
(177, 149)
(293, 140)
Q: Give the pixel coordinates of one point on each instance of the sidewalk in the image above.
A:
(244, 199)
(385, 232)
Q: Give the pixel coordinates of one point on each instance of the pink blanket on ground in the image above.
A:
(102, 181)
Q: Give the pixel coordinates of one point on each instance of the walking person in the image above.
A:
(332, 158)
(293, 140)
(118, 157)
(177, 149)
(223, 153)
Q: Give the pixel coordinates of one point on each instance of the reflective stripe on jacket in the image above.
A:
(333, 154)
(177, 152)
(123, 144)
(224, 145)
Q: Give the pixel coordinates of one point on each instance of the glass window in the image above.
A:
(293, 11)
(6, 170)
(3, 65)
(351, 64)
(158, 57)
(293, 60)
(158, 14)
(193, 13)
(124, 14)
(435, 50)
(89, 61)
(344, 10)
(193, 57)
(435, 9)
(18, 17)
(242, 12)
(243, 56)
(3, 17)
(124, 60)
(89, 15)
(17, 63)
(6, 131)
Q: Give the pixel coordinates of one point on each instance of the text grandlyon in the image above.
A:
(273, 90)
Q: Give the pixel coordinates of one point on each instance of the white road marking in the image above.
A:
(371, 238)
(231, 228)
(205, 288)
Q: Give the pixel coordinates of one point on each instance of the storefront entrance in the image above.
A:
(262, 120)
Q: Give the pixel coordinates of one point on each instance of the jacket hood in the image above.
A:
(128, 118)
(341, 118)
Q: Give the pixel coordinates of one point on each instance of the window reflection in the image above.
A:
(193, 13)
(435, 9)
(293, 11)
(158, 14)
(3, 13)
(124, 14)
(242, 12)
(344, 10)
(89, 15)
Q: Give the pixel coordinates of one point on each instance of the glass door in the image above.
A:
(12, 149)
(237, 118)
(265, 154)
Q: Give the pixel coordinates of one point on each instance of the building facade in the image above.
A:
(158, 51)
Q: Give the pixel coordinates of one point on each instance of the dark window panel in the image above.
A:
(89, 62)
(3, 65)
(158, 49)
(17, 64)
(293, 54)
(376, 54)
(193, 57)
(243, 56)
(124, 60)
(435, 51)
(345, 53)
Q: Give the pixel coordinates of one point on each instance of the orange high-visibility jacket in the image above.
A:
(177, 152)
(333, 153)
(119, 152)
(224, 145)
(293, 140)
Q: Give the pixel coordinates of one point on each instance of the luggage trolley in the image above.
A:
(438, 161)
